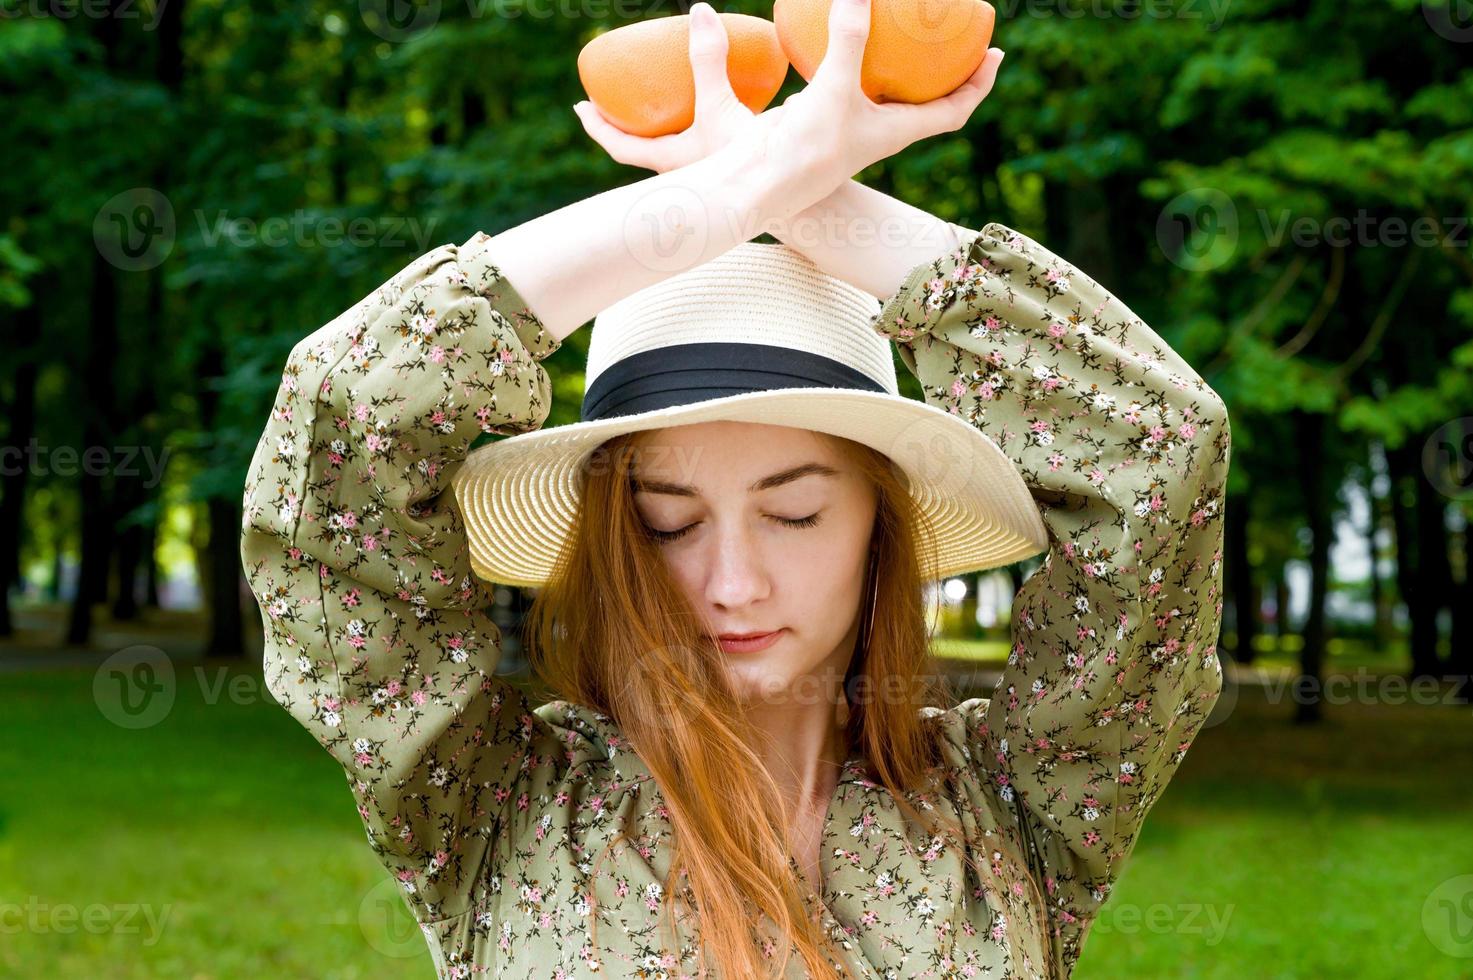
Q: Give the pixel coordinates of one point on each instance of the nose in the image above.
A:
(737, 574)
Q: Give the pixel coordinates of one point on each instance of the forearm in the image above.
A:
(866, 237)
(573, 262)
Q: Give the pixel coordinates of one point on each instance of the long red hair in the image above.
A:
(614, 632)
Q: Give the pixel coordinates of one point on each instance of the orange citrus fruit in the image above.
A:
(918, 50)
(640, 76)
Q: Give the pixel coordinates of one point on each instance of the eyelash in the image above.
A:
(664, 536)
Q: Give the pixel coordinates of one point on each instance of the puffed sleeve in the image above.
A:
(1113, 666)
(378, 639)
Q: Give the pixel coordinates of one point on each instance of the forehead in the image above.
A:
(728, 450)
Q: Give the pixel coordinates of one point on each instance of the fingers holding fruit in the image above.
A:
(882, 74)
(670, 91)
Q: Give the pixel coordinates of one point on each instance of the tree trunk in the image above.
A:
(1460, 664)
(1239, 574)
(1380, 593)
(226, 620)
(97, 432)
(151, 562)
(1308, 685)
(22, 416)
(223, 571)
(1281, 605)
(1433, 568)
(1404, 465)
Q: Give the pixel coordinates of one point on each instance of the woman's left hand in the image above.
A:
(719, 115)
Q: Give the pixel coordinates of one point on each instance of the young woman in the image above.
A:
(749, 771)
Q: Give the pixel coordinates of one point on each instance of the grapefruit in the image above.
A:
(639, 75)
(918, 50)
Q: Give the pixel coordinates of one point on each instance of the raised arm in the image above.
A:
(378, 638)
(1113, 667)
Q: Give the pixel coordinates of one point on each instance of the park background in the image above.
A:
(1281, 188)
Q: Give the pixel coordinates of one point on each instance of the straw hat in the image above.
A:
(757, 334)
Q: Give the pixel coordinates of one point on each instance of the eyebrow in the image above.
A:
(766, 483)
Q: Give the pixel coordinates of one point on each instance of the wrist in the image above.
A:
(772, 190)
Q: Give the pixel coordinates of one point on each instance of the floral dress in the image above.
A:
(493, 814)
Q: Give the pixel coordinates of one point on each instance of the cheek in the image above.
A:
(824, 583)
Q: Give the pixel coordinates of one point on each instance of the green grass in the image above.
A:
(1315, 850)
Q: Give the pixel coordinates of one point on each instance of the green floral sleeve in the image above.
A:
(377, 636)
(1113, 666)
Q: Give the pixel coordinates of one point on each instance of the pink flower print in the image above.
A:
(417, 698)
(370, 543)
(1056, 329)
(1158, 432)
(986, 391)
(544, 920)
(1041, 425)
(870, 917)
(357, 641)
(958, 388)
(437, 417)
(1059, 279)
(1091, 838)
(373, 442)
(508, 355)
(522, 802)
(360, 412)
(393, 687)
(1186, 430)
(622, 889)
(437, 354)
(1055, 461)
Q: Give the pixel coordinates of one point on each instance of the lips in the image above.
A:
(748, 642)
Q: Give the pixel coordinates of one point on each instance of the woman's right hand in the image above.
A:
(827, 132)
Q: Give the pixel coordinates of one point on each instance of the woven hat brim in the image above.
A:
(519, 496)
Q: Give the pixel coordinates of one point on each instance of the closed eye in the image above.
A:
(664, 536)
